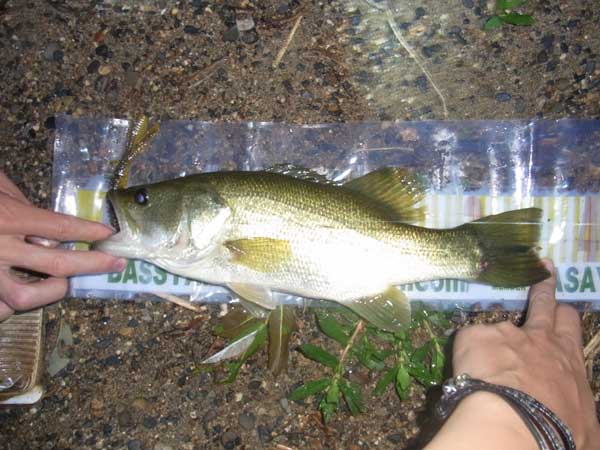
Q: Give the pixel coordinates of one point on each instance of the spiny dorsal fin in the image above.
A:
(301, 173)
(397, 189)
(388, 311)
(260, 253)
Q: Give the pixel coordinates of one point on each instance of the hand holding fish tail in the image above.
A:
(28, 240)
(542, 358)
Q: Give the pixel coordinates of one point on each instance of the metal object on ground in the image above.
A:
(21, 339)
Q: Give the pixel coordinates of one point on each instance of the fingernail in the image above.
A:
(548, 264)
(120, 265)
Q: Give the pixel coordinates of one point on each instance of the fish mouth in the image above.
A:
(122, 243)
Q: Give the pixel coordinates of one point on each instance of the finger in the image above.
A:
(7, 186)
(60, 262)
(5, 311)
(568, 324)
(542, 301)
(23, 296)
(17, 218)
(43, 242)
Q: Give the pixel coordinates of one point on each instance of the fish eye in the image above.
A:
(141, 197)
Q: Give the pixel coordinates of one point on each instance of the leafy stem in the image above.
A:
(357, 330)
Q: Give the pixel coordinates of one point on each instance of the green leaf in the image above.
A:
(492, 22)
(282, 323)
(352, 396)
(327, 409)
(308, 389)
(517, 19)
(333, 393)
(257, 343)
(385, 381)
(507, 5)
(370, 362)
(403, 378)
(319, 355)
(237, 324)
(420, 354)
(332, 328)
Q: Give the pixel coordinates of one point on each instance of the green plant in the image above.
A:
(505, 13)
(395, 356)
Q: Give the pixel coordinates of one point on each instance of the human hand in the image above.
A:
(543, 358)
(28, 239)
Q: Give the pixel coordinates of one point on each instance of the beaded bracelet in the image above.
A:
(549, 431)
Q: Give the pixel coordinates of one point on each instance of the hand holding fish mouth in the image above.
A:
(28, 240)
(543, 358)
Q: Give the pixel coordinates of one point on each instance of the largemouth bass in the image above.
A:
(259, 232)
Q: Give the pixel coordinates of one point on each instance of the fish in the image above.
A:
(260, 232)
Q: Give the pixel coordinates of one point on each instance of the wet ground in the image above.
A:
(132, 380)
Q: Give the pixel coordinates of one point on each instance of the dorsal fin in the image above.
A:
(300, 172)
(396, 189)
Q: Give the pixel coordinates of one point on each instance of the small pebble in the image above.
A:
(542, 57)
(210, 415)
(264, 433)
(134, 445)
(230, 440)
(395, 438)
(422, 83)
(468, 3)
(231, 35)
(429, 51)
(285, 404)
(551, 66)
(93, 66)
(249, 37)
(161, 446)
(503, 97)
(548, 41)
(104, 69)
(50, 123)
(125, 419)
(50, 50)
(103, 51)
(420, 12)
(254, 385)
(245, 23)
(190, 29)
(149, 422)
(247, 421)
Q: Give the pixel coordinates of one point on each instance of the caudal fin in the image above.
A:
(508, 244)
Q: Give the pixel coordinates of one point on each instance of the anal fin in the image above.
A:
(389, 310)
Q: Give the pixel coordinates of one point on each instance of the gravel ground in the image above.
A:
(131, 381)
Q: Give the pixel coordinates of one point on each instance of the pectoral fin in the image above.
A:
(389, 311)
(396, 189)
(261, 254)
(258, 295)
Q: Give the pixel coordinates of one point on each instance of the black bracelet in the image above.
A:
(549, 431)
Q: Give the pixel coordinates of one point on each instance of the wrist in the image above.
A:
(483, 421)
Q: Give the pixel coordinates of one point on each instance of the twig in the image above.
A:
(398, 35)
(359, 327)
(288, 41)
(178, 301)
(205, 72)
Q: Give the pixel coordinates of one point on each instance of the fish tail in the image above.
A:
(508, 244)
